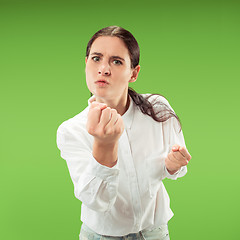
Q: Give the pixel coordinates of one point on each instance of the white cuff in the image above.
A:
(181, 172)
(103, 172)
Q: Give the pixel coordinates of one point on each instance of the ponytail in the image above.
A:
(157, 110)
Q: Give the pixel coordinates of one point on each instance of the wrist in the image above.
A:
(172, 171)
(105, 153)
(104, 144)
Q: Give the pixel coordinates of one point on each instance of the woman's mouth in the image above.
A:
(101, 83)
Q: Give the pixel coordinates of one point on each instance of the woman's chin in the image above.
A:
(101, 93)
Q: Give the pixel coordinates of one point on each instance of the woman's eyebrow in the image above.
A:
(96, 53)
(118, 57)
(101, 55)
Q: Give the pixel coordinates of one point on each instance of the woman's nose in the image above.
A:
(104, 70)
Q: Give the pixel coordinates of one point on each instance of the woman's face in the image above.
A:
(108, 69)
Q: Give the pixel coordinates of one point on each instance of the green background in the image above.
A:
(189, 53)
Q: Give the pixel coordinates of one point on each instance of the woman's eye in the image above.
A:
(95, 59)
(117, 62)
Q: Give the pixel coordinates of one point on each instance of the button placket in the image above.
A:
(133, 182)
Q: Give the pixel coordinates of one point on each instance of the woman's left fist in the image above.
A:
(178, 157)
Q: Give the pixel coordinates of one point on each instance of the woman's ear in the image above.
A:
(135, 74)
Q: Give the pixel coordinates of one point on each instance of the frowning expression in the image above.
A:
(108, 68)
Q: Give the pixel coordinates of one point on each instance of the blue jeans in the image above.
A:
(159, 233)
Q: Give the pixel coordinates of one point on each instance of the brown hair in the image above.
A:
(159, 111)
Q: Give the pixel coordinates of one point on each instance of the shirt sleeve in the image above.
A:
(175, 137)
(95, 185)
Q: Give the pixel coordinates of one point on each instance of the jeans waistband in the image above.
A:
(87, 229)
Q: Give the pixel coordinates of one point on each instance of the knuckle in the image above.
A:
(114, 111)
(107, 131)
(106, 111)
(118, 130)
(90, 129)
(101, 132)
(96, 110)
(93, 104)
(183, 162)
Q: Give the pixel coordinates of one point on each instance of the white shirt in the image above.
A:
(130, 196)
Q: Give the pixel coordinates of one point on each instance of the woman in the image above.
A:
(120, 148)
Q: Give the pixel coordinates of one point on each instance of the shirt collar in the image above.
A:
(127, 116)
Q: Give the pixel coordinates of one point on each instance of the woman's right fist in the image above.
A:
(104, 123)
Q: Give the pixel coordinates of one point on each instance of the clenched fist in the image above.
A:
(106, 126)
(104, 123)
(178, 157)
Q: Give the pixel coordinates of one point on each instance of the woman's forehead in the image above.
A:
(108, 45)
